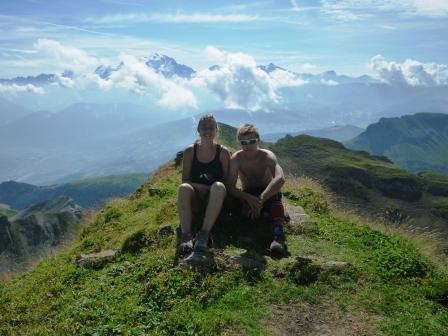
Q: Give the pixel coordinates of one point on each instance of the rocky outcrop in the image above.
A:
(48, 222)
(5, 235)
(41, 226)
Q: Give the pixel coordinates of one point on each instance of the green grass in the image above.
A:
(7, 212)
(142, 291)
(437, 184)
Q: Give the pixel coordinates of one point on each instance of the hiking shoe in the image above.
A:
(278, 247)
(186, 245)
(199, 259)
(201, 241)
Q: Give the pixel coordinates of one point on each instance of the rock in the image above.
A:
(306, 269)
(96, 260)
(5, 235)
(165, 230)
(179, 158)
(335, 266)
(246, 262)
(296, 213)
(199, 259)
(153, 191)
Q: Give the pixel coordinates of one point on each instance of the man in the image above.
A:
(261, 179)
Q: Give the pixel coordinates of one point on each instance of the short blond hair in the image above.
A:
(248, 129)
(208, 118)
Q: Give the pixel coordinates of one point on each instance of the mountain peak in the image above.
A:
(168, 66)
(271, 67)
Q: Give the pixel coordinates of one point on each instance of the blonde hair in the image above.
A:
(248, 129)
(208, 118)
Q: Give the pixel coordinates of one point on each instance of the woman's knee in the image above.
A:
(185, 189)
(218, 188)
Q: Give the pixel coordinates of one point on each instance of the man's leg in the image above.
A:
(215, 201)
(187, 201)
(277, 218)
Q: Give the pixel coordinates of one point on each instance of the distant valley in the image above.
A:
(88, 193)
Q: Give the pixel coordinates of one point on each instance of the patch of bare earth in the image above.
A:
(323, 319)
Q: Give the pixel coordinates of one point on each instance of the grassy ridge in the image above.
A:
(416, 142)
(142, 291)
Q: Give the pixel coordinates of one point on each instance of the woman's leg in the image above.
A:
(187, 201)
(214, 205)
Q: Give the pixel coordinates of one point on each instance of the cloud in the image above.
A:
(14, 88)
(410, 72)
(355, 9)
(173, 18)
(214, 54)
(329, 82)
(239, 83)
(136, 76)
(306, 67)
(67, 56)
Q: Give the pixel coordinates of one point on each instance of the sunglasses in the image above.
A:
(248, 142)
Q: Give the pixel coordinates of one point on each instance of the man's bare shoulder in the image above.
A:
(268, 154)
(237, 155)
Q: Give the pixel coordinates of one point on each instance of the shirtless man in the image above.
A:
(261, 178)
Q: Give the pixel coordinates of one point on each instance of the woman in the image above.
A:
(205, 167)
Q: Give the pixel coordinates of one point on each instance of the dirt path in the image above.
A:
(323, 319)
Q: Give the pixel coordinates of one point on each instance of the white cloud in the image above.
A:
(135, 76)
(410, 72)
(240, 84)
(66, 56)
(214, 54)
(14, 88)
(306, 67)
(355, 9)
(281, 78)
(329, 82)
(433, 8)
(174, 18)
(295, 5)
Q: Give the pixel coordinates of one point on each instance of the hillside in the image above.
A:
(36, 232)
(415, 142)
(341, 276)
(338, 132)
(89, 193)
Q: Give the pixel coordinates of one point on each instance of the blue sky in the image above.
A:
(303, 36)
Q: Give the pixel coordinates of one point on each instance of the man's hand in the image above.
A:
(255, 205)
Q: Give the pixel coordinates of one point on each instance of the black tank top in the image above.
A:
(206, 173)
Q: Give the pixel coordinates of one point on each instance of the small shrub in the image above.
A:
(303, 271)
(135, 242)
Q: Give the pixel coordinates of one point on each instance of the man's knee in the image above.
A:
(218, 188)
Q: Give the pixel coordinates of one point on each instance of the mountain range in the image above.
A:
(121, 274)
(416, 142)
(88, 193)
(169, 67)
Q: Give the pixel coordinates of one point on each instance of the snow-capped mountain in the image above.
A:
(271, 67)
(104, 71)
(168, 66)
